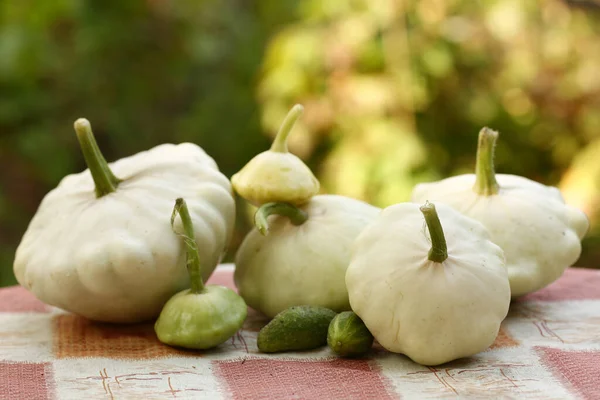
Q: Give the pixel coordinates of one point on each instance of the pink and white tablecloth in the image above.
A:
(548, 348)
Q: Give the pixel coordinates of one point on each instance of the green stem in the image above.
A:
(485, 178)
(438, 252)
(296, 215)
(193, 258)
(105, 181)
(280, 143)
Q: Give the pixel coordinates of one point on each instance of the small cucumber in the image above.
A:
(296, 328)
(348, 335)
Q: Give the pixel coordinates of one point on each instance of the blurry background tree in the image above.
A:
(395, 91)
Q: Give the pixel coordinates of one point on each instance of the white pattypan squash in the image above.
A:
(303, 257)
(433, 288)
(277, 175)
(101, 245)
(539, 233)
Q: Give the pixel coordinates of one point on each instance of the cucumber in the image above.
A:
(348, 335)
(296, 328)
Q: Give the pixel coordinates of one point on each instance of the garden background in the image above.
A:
(394, 91)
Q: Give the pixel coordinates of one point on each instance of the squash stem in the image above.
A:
(104, 180)
(438, 252)
(485, 177)
(296, 215)
(280, 143)
(193, 258)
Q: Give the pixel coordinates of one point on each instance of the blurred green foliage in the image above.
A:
(395, 92)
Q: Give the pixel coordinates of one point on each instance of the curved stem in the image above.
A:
(104, 180)
(296, 215)
(193, 258)
(485, 177)
(439, 251)
(280, 143)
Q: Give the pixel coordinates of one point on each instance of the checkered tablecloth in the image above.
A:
(548, 348)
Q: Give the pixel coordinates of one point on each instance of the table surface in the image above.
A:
(548, 348)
